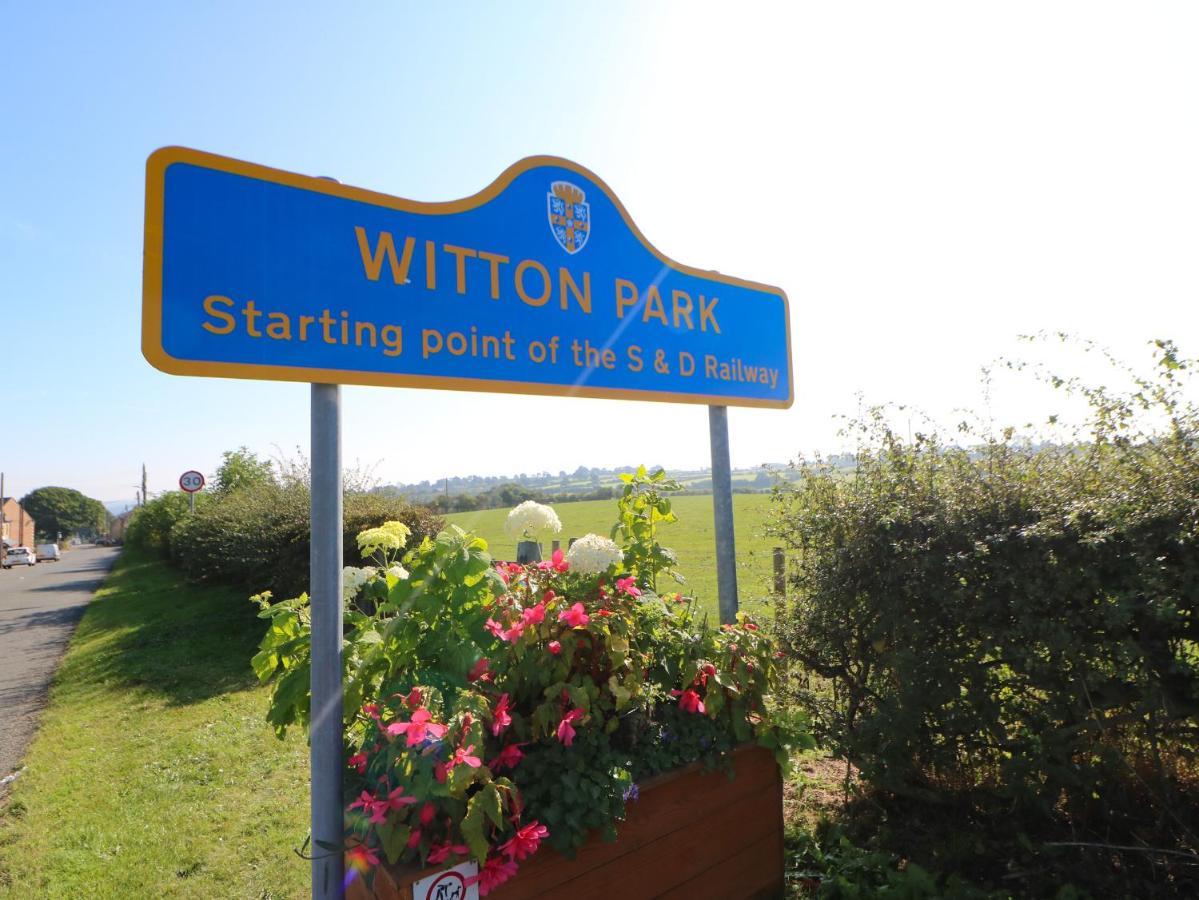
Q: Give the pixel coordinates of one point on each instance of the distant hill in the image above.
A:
(452, 493)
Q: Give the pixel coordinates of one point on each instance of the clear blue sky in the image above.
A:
(926, 182)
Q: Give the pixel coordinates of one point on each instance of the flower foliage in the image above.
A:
(492, 706)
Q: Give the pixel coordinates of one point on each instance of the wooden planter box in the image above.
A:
(691, 834)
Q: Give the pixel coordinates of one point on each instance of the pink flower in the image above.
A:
(496, 870)
(371, 710)
(427, 813)
(494, 627)
(462, 757)
(414, 839)
(689, 701)
(479, 670)
(575, 617)
(629, 586)
(357, 762)
(418, 728)
(508, 758)
(533, 616)
(525, 842)
(558, 561)
(555, 647)
(362, 858)
(566, 732)
(501, 719)
(364, 802)
(439, 853)
(413, 699)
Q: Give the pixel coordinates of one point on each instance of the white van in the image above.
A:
(48, 551)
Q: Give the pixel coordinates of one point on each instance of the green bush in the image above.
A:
(258, 537)
(150, 525)
(1013, 623)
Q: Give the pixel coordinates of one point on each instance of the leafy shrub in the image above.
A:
(151, 524)
(258, 537)
(1013, 623)
(490, 706)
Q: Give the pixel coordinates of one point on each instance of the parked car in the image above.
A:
(19, 556)
(48, 551)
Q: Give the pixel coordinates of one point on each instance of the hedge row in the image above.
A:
(258, 537)
(1013, 628)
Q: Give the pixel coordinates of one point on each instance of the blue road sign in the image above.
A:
(539, 284)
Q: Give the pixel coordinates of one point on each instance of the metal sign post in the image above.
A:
(722, 510)
(191, 481)
(325, 752)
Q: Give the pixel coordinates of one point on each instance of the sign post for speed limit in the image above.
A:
(191, 481)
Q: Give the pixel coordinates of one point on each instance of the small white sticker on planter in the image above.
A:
(452, 884)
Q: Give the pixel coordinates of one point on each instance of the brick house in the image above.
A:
(18, 524)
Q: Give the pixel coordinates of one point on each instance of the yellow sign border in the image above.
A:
(160, 160)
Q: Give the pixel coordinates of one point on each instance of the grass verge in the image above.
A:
(153, 772)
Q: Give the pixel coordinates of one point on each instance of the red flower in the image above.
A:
(689, 701)
(480, 670)
(603, 612)
(629, 586)
(555, 647)
(413, 699)
(752, 626)
(566, 732)
(371, 710)
(558, 561)
(496, 870)
(439, 853)
(548, 596)
(427, 813)
(575, 617)
(414, 839)
(525, 842)
(362, 858)
(500, 719)
(441, 771)
(508, 758)
(418, 729)
(358, 762)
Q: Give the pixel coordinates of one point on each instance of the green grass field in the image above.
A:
(153, 773)
(691, 538)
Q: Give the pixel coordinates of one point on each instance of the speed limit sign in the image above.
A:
(191, 481)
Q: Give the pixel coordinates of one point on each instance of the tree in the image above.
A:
(240, 469)
(63, 510)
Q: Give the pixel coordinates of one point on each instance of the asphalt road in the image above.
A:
(39, 608)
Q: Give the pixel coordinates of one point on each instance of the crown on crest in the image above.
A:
(567, 192)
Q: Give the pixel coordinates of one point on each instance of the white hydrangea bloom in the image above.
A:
(353, 578)
(593, 553)
(398, 571)
(530, 519)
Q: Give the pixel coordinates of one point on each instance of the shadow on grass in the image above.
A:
(149, 629)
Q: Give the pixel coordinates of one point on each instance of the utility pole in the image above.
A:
(144, 494)
(1, 512)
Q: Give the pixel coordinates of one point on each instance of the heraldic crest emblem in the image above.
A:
(570, 217)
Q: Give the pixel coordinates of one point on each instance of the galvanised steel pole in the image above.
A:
(325, 591)
(722, 509)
